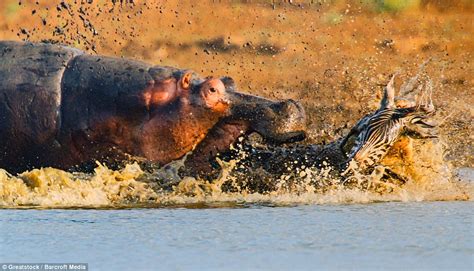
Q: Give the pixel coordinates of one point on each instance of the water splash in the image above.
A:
(430, 178)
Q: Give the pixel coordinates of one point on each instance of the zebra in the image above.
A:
(376, 133)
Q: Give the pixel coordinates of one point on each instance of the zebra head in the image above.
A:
(376, 133)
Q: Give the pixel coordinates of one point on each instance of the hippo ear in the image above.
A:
(228, 82)
(186, 80)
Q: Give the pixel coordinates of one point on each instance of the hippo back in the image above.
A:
(97, 87)
(58, 104)
(30, 94)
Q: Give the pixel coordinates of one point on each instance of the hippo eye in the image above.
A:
(212, 90)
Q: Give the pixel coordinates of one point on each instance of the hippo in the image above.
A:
(64, 108)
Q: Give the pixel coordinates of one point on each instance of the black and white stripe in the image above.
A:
(379, 132)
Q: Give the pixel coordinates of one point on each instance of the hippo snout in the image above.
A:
(284, 123)
(277, 121)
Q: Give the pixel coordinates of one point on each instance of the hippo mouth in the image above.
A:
(277, 122)
(201, 162)
(281, 122)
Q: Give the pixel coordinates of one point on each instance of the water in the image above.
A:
(413, 236)
(128, 220)
(411, 227)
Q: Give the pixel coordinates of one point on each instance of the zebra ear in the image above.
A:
(429, 102)
(423, 96)
(388, 100)
(409, 86)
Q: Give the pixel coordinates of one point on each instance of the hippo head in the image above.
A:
(276, 121)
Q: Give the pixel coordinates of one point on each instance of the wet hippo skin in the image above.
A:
(61, 107)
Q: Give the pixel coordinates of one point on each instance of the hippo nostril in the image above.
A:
(276, 107)
(285, 105)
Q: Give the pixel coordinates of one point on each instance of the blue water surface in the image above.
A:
(396, 236)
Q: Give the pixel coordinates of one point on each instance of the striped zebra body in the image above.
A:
(378, 132)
